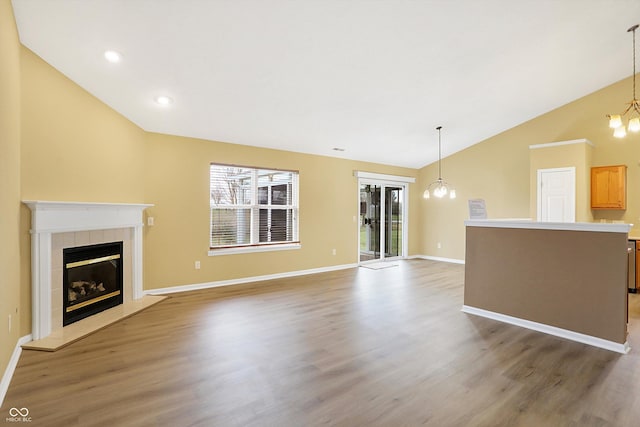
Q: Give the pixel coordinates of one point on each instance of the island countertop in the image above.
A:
(538, 225)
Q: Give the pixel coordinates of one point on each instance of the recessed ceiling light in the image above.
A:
(113, 56)
(163, 100)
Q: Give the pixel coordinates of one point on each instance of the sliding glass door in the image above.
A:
(382, 220)
(393, 221)
(369, 222)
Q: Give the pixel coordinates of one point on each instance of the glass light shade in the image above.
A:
(620, 132)
(615, 121)
(634, 124)
(426, 194)
(440, 191)
(452, 194)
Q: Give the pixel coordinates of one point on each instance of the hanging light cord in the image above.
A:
(439, 187)
(633, 30)
(439, 155)
(634, 105)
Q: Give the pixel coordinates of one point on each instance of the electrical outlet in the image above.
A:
(150, 221)
(333, 252)
(197, 265)
(439, 245)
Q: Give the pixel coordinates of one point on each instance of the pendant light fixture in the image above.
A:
(615, 120)
(439, 188)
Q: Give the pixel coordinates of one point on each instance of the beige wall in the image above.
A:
(177, 182)
(497, 169)
(74, 148)
(10, 183)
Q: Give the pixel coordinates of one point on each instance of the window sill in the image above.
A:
(252, 249)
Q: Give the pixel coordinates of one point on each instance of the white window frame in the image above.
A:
(255, 245)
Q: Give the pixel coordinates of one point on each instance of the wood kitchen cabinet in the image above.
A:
(609, 187)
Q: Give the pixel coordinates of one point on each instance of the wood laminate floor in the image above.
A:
(356, 347)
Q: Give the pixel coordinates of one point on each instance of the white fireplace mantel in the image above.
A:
(47, 218)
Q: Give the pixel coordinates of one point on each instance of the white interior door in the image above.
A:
(557, 194)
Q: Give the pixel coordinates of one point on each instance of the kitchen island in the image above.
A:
(565, 279)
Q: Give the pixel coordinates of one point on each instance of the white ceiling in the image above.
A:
(374, 77)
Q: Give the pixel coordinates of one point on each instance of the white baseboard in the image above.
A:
(551, 330)
(11, 367)
(437, 258)
(207, 285)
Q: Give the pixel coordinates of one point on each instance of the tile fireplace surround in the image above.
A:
(59, 225)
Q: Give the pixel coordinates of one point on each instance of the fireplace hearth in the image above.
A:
(93, 280)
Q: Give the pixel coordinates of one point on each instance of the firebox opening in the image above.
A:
(92, 280)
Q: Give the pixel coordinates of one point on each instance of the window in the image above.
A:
(252, 209)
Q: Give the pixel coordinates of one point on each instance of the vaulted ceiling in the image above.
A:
(370, 77)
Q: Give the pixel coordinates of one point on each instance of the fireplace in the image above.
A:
(56, 226)
(92, 280)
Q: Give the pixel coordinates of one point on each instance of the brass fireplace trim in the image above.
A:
(92, 261)
(92, 301)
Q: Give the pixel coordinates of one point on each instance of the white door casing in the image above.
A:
(383, 180)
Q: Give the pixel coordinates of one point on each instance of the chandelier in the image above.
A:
(615, 120)
(439, 188)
